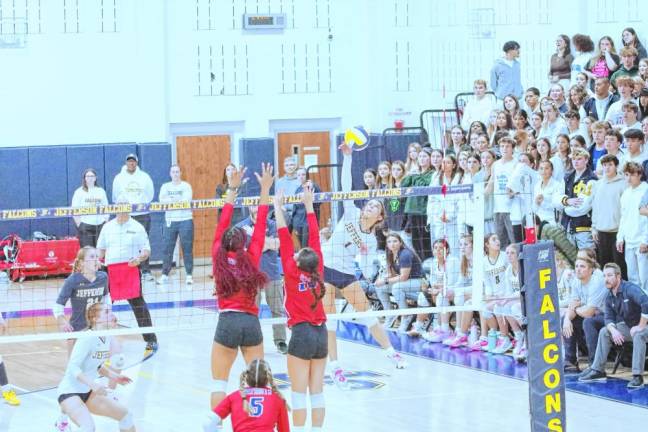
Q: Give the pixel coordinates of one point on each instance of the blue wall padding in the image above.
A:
(48, 186)
(155, 159)
(252, 152)
(114, 160)
(396, 146)
(14, 188)
(79, 158)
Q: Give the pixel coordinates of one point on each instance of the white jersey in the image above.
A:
(447, 275)
(494, 275)
(348, 240)
(512, 281)
(88, 355)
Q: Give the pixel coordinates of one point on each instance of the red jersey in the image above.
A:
(240, 301)
(298, 297)
(267, 410)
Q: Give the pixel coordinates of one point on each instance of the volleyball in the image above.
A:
(118, 361)
(357, 138)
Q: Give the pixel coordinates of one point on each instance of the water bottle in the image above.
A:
(492, 339)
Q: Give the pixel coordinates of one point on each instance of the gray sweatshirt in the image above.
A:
(506, 79)
(606, 207)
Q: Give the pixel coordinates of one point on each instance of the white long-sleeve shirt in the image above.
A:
(437, 203)
(94, 196)
(546, 210)
(522, 182)
(138, 187)
(175, 193)
(477, 110)
(632, 225)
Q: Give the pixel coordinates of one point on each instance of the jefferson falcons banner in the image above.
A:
(545, 363)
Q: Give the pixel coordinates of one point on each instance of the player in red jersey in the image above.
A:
(303, 293)
(256, 407)
(238, 279)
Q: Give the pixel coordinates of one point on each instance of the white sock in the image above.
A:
(297, 429)
(6, 387)
(334, 364)
(445, 327)
(460, 333)
(518, 335)
(316, 429)
(390, 351)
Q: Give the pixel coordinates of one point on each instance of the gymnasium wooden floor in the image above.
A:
(440, 391)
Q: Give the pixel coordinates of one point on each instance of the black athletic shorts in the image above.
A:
(237, 329)
(338, 279)
(84, 396)
(308, 341)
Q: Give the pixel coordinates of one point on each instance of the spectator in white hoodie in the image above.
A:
(606, 212)
(632, 227)
(479, 108)
(89, 194)
(137, 186)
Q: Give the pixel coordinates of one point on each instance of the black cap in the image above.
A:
(132, 156)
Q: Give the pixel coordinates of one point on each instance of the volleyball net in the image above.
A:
(445, 267)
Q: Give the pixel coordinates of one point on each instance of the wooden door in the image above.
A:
(310, 148)
(202, 160)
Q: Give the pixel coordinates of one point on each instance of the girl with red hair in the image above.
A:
(238, 280)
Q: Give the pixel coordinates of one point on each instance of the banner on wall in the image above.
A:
(204, 204)
(545, 362)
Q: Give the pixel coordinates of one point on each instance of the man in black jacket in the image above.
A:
(598, 105)
(576, 203)
(626, 319)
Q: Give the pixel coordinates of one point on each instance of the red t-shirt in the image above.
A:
(298, 297)
(267, 410)
(240, 301)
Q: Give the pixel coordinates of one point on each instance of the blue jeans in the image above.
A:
(184, 229)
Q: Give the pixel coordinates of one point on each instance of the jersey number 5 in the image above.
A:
(256, 406)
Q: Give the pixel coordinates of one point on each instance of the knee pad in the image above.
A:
(317, 400)
(441, 300)
(213, 422)
(126, 422)
(487, 314)
(459, 300)
(298, 400)
(367, 321)
(118, 361)
(422, 300)
(220, 386)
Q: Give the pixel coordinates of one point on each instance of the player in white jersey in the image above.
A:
(80, 394)
(495, 264)
(354, 235)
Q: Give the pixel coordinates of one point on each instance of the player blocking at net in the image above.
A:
(238, 279)
(353, 236)
(304, 290)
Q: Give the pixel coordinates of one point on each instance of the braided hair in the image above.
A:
(257, 375)
(237, 273)
(308, 261)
